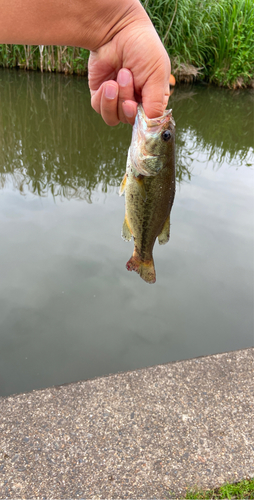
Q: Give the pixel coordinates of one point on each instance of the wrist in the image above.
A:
(108, 19)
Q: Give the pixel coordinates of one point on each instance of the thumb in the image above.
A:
(155, 92)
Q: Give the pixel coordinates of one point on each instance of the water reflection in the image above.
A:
(215, 122)
(52, 141)
(68, 309)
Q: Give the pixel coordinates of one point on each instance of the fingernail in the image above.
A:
(124, 77)
(110, 91)
(129, 112)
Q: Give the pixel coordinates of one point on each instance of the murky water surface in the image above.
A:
(69, 309)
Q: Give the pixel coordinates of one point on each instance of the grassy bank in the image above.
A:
(206, 40)
(68, 60)
(242, 490)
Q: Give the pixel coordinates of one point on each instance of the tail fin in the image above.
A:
(144, 268)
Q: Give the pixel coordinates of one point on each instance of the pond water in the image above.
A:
(69, 309)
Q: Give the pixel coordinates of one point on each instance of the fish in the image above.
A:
(149, 187)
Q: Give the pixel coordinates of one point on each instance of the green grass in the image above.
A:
(215, 36)
(234, 42)
(242, 490)
(206, 40)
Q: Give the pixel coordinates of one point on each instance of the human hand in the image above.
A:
(132, 67)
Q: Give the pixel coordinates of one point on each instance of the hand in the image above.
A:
(132, 67)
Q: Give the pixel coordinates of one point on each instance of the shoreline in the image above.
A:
(74, 61)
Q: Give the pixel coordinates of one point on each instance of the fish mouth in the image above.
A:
(154, 123)
(146, 131)
(153, 126)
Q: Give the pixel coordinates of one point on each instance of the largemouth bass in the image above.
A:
(149, 186)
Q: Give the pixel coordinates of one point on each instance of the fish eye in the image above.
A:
(166, 135)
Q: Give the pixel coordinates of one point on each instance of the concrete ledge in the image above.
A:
(149, 433)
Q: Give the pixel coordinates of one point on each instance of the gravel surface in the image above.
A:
(149, 433)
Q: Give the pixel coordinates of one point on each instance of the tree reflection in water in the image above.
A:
(51, 141)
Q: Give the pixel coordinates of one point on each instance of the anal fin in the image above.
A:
(164, 235)
(126, 232)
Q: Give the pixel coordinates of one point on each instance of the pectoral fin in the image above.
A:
(126, 232)
(123, 185)
(164, 235)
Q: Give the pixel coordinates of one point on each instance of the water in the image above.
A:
(69, 309)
